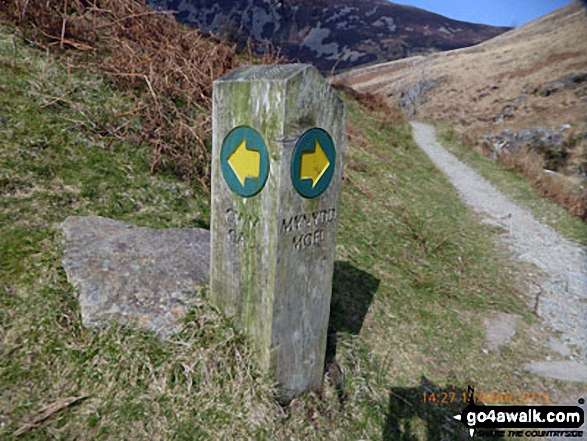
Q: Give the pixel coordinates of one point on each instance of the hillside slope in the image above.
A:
(516, 69)
(415, 276)
(498, 91)
(332, 33)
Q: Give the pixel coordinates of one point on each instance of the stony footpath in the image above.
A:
(559, 293)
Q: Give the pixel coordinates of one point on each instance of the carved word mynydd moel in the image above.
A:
(307, 228)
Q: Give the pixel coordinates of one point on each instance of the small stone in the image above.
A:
(500, 329)
(560, 370)
(559, 347)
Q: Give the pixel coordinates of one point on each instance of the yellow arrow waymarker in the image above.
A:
(314, 164)
(245, 163)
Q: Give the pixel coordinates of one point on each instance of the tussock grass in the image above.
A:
(415, 276)
(568, 191)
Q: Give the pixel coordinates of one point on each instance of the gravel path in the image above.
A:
(563, 289)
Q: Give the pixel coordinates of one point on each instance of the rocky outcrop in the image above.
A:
(569, 82)
(134, 275)
(331, 33)
(536, 137)
(414, 95)
(549, 142)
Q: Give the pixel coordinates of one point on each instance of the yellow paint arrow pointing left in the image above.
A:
(314, 164)
(245, 163)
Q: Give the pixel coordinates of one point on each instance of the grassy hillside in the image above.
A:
(483, 79)
(532, 76)
(415, 277)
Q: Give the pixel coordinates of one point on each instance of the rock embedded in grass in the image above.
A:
(500, 329)
(560, 370)
(133, 275)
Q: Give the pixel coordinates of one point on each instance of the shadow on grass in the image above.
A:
(426, 413)
(352, 293)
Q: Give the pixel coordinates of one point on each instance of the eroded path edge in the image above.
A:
(563, 288)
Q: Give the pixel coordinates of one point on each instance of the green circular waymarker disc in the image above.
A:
(312, 163)
(244, 161)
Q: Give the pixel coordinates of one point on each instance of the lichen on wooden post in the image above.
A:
(279, 135)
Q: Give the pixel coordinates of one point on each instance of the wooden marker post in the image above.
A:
(279, 135)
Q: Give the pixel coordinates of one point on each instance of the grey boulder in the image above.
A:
(133, 275)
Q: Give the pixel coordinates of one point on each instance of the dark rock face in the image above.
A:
(537, 137)
(413, 95)
(577, 80)
(134, 275)
(548, 142)
(331, 33)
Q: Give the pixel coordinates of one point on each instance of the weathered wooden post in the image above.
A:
(279, 135)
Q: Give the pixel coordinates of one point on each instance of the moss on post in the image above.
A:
(272, 255)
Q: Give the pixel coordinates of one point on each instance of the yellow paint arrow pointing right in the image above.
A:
(245, 163)
(314, 164)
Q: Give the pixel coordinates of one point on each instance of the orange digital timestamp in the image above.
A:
(519, 397)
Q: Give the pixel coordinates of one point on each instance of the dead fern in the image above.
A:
(169, 68)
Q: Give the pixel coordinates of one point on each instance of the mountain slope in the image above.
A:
(415, 275)
(516, 69)
(520, 97)
(332, 33)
